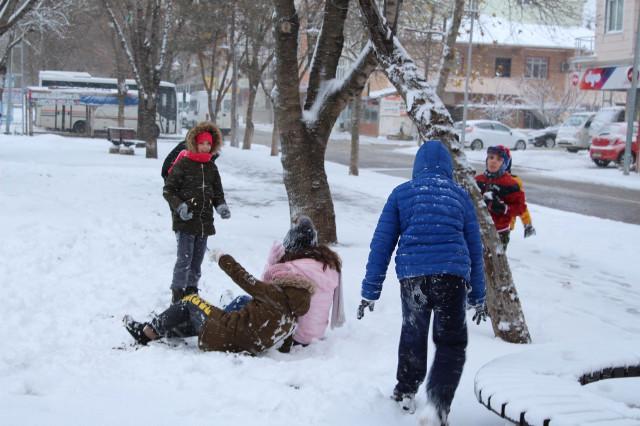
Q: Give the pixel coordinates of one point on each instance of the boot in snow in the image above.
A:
(431, 416)
(136, 329)
(406, 401)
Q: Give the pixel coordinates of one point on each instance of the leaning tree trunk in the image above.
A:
(355, 135)
(248, 129)
(434, 122)
(275, 139)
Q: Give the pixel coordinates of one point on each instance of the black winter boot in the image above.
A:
(136, 329)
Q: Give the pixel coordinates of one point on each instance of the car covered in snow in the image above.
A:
(481, 134)
(543, 137)
(573, 133)
(609, 145)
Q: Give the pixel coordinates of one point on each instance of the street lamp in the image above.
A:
(472, 12)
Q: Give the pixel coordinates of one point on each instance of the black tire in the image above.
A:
(549, 142)
(476, 145)
(79, 126)
(156, 131)
(620, 159)
(521, 145)
(601, 163)
(572, 150)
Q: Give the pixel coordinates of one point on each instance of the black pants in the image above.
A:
(445, 296)
(504, 238)
(185, 318)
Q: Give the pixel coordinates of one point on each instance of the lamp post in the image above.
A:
(631, 101)
(472, 13)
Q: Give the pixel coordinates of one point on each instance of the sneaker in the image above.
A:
(406, 401)
(135, 329)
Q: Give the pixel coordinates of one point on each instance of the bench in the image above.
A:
(544, 385)
(123, 138)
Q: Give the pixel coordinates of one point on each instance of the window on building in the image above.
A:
(503, 67)
(536, 68)
(613, 15)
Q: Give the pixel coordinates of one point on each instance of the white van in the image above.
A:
(604, 117)
(573, 134)
(198, 111)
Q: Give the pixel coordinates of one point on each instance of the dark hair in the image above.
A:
(321, 253)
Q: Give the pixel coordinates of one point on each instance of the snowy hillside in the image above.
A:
(86, 238)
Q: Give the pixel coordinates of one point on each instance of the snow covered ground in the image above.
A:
(559, 164)
(86, 238)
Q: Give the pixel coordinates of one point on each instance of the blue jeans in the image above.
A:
(445, 296)
(238, 303)
(185, 318)
(191, 249)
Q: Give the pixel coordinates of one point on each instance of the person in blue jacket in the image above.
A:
(439, 264)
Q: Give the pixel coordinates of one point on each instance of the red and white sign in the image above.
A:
(605, 78)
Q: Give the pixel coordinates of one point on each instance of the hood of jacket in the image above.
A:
(205, 126)
(433, 157)
(298, 291)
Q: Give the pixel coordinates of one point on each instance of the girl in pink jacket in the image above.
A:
(299, 254)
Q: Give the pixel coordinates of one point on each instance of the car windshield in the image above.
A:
(618, 129)
(605, 116)
(575, 121)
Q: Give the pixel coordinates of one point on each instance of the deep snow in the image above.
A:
(86, 238)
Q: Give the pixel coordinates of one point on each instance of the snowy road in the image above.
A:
(589, 198)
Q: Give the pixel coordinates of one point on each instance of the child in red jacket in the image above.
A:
(501, 192)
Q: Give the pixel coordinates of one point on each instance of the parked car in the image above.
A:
(573, 133)
(544, 137)
(480, 134)
(605, 117)
(609, 145)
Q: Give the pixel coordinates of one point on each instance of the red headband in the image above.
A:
(204, 137)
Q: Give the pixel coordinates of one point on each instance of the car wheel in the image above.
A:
(79, 127)
(476, 145)
(621, 158)
(602, 163)
(521, 145)
(572, 150)
(156, 131)
(549, 142)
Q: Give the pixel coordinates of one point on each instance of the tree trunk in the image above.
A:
(434, 122)
(122, 96)
(308, 192)
(355, 134)
(248, 129)
(448, 50)
(147, 127)
(275, 140)
(234, 83)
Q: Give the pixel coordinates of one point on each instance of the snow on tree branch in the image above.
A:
(168, 20)
(125, 46)
(11, 11)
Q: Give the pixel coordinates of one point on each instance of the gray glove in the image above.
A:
(183, 212)
(365, 304)
(481, 313)
(529, 230)
(223, 211)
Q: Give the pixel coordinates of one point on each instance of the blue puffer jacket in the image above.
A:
(437, 226)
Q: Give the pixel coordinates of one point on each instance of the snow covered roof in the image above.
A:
(382, 92)
(501, 31)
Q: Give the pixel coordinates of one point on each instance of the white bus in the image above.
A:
(197, 110)
(64, 117)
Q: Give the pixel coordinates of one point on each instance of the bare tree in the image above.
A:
(144, 27)
(305, 126)
(434, 122)
(256, 20)
(548, 101)
(12, 11)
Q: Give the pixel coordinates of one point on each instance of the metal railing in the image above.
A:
(585, 46)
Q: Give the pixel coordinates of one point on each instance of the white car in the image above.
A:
(573, 134)
(481, 134)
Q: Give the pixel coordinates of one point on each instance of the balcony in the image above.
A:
(585, 49)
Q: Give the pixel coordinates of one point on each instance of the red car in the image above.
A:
(609, 145)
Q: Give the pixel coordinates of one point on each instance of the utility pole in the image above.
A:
(472, 13)
(9, 116)
(631, 100)
(234, 82)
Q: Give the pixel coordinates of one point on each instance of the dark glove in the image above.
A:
(223, 211)
(529, 230)
(183, 212)
(480, 314)
(497, 206)
(365, 304)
